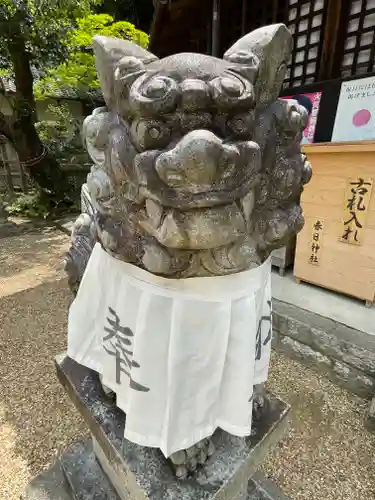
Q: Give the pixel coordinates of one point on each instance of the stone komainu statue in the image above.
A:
(197, 163)
(197, 169)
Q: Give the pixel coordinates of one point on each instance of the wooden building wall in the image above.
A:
(333, 38)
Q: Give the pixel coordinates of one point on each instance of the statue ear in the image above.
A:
(266, 50)
(117, 59)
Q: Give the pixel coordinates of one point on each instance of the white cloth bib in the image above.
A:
(182, 355)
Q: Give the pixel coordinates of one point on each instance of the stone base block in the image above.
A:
(142, 473)
(77, 475)
(84, 475)
(51, 485)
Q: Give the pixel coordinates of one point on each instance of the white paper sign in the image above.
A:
(182, 355)
(355, 116)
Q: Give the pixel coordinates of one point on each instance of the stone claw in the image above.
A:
(192, 464)
(261, 403)
(187, 461)
(181, 472)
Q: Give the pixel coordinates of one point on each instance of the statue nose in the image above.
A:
(194, 160)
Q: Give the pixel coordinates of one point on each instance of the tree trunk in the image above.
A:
(39, 163)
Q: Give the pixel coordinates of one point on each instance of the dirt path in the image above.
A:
(37, 420)
(30, 259)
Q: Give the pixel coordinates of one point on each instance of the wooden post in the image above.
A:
(215, 27)
(7, 169)
(24, 184)
(8, 173)
(335, 26)
(274, 12)
(244, 13)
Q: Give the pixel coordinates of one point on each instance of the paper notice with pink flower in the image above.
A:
(310, 101)
(355, 116)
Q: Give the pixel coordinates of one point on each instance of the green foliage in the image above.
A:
(103, 24)
(30, 205)
(76, 76)
(51, 38)
(36, 204)
(41, 26)
(62, 135)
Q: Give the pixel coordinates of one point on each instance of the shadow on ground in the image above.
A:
(30, 249)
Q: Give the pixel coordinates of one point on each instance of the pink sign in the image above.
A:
(311, 101)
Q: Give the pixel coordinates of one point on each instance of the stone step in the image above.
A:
(77, 475)
(261, 488)
(50, 485)
(84, 475)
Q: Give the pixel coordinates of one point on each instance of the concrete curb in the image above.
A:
(344, 354)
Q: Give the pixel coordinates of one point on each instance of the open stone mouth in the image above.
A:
(197, 229)
(197, 171)
(196, 195)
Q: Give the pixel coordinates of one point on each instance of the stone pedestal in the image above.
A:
(107, 467)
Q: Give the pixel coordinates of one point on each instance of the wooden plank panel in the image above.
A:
(361, 255)
(336, 281)
(334, 166)
(329, 183)
(322, 211)
(359, 274)
(318, 194)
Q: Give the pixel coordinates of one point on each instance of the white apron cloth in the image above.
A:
(182, 355)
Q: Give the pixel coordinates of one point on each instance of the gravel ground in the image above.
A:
(326, 455)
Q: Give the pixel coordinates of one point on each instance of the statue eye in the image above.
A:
(156, 88)
(150, 134)
(244, 57)
(231, 91)
(150, 97)
(154, 133)
(231, 87)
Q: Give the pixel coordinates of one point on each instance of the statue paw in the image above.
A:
(258, 406)
(261, 403)
(186, 462)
